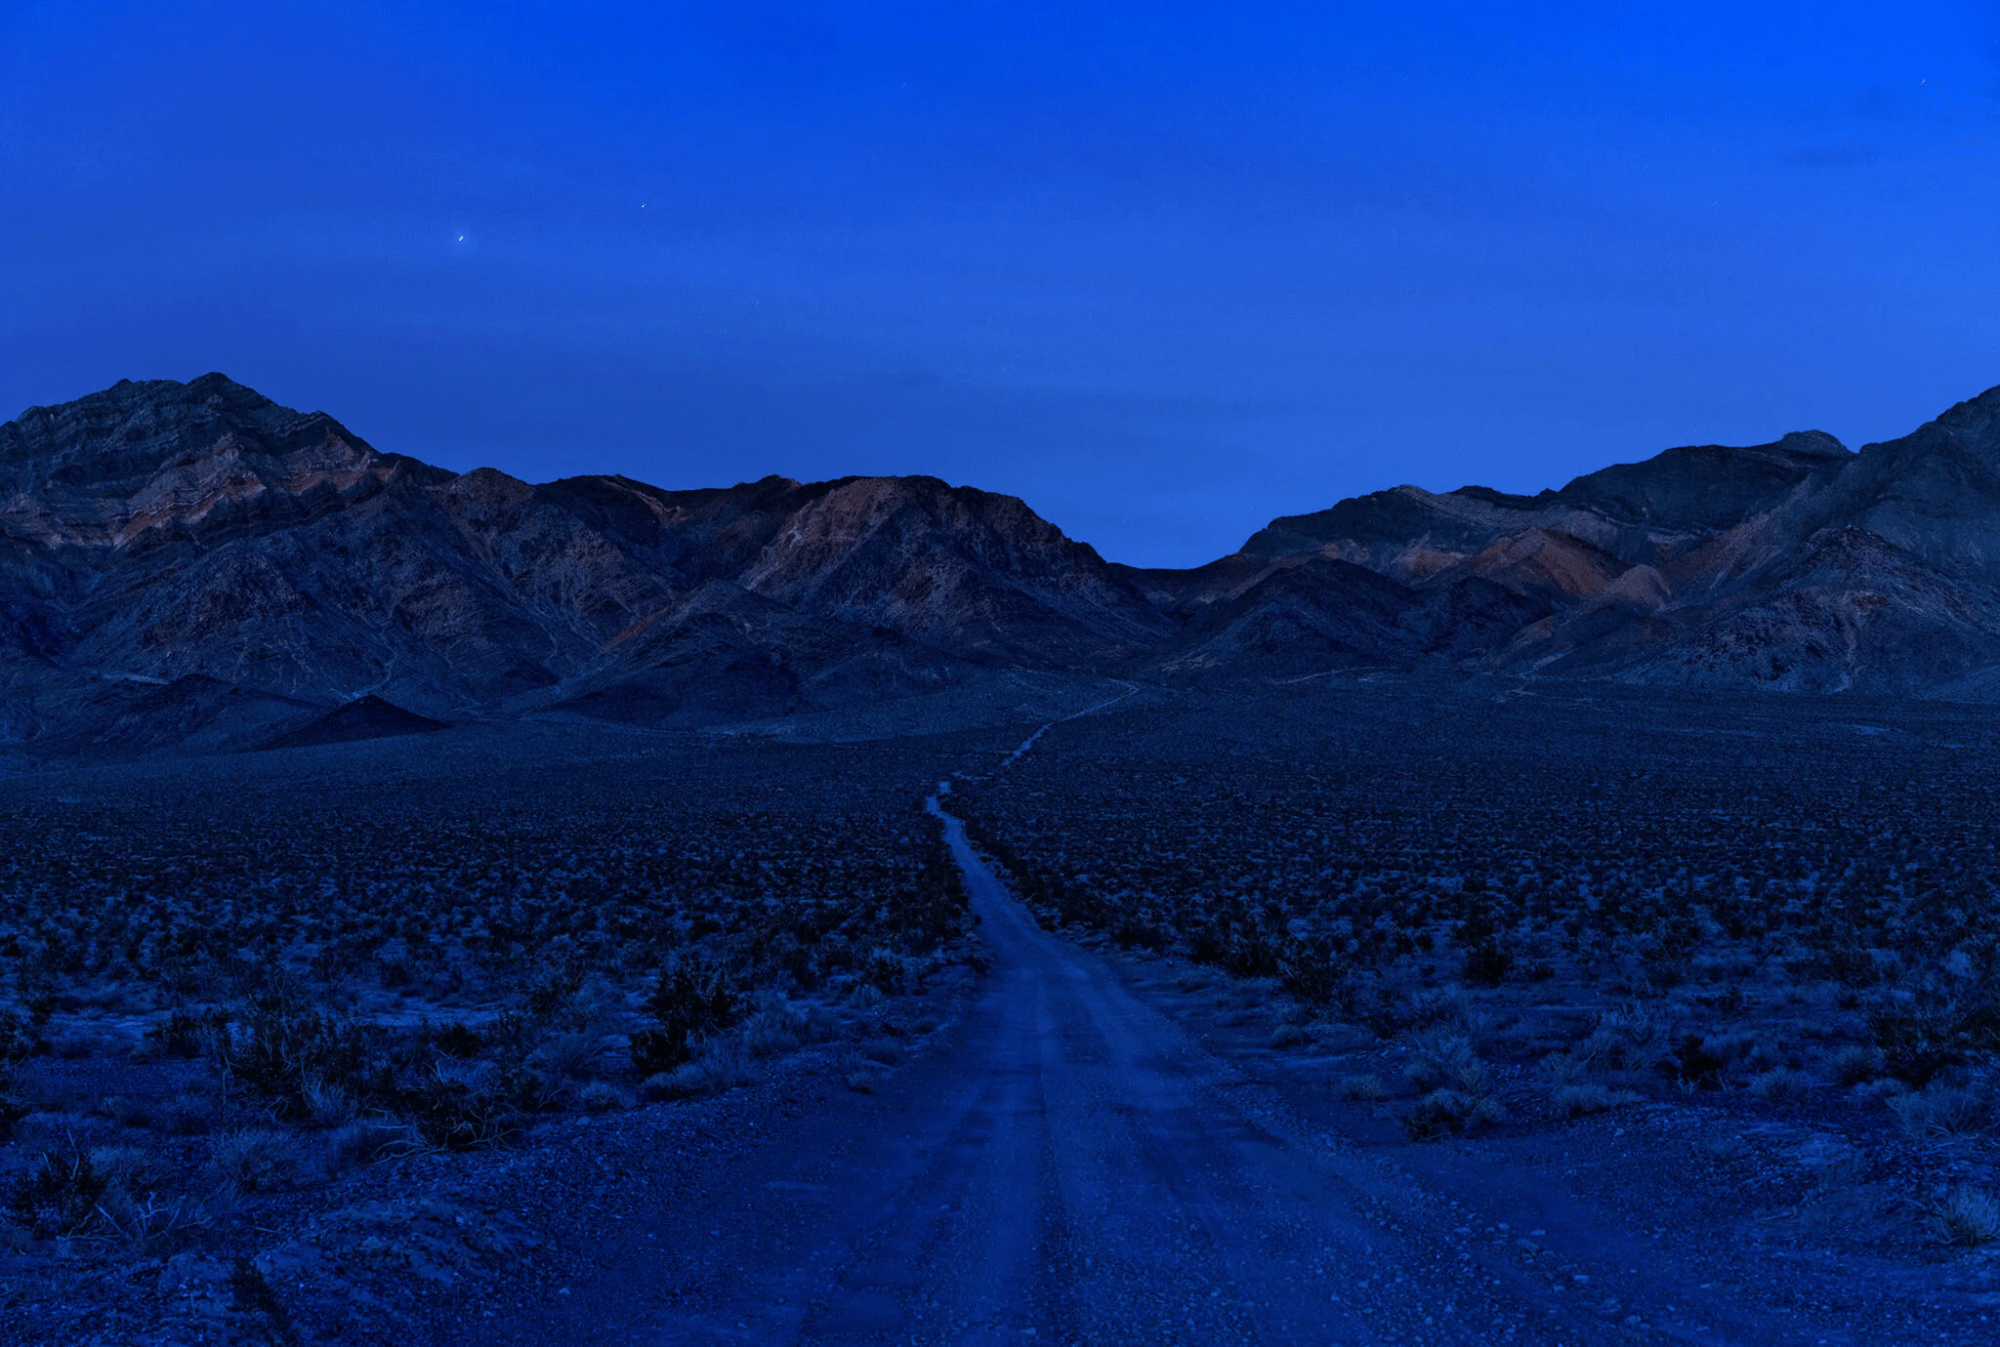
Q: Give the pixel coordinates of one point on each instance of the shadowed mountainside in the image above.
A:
(1795, 565)
(160, 532)
(192, 563)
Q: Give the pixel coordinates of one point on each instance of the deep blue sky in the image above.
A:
(1164, 269)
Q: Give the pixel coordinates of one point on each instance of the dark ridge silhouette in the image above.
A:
(363, 718)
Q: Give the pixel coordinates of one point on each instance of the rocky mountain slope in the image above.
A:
(1795, 565)
(164, 540)
(194, 564)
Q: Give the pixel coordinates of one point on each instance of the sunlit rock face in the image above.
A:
(173, 555)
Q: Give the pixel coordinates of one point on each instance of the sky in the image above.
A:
(1163, 270)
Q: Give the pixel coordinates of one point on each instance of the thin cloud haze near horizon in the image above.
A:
(1163, 271)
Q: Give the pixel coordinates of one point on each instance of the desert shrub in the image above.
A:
(1338, 1036)
(188, 1114)
(459, 1106)
(1448, 1059)
(1460, 1087)
(683, 1082)
(886, 971)
(12, 1107)
(602, 1097)
(1915, 1044)
(73, 1044)
(1856, 1064)
(725, 1065)
(721, 1066)
(1666, 962)
(1782, 1087)
(324, 1104)
(134, 1206)
(1942, 1110)
(130, 1168)
(151, 1224)
(1311, 972)
(1364, 1088)
(1752, 1053)
(1487, 963)
(15, 1044)
(1444, 1112)
(552, 988)
(256, 1159)
(1131, 933)
(1967, 1216)
(774, 1028)
(690, 1001)
(280, 1048)
(61, 1195)
(1564, 1069)
(17, 1039)
(368, 1140)
(123, 1110)
(1429, 1009)
(1574, 1101)
(1621, 1040)
(456, 1040)
(1694, 1063)
(569, 1055)
(182, 1034)
(1920, 1039)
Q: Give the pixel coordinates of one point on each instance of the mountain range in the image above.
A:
(193, 565)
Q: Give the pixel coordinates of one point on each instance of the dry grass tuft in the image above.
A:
(1575, 1101)
(1967, 1216)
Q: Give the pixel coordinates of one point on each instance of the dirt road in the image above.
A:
(1067, 1165)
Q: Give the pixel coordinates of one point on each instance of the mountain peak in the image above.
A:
(1973, 424)
(1813, 444)
(166, 530)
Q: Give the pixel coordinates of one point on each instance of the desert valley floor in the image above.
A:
(1352, 1009)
